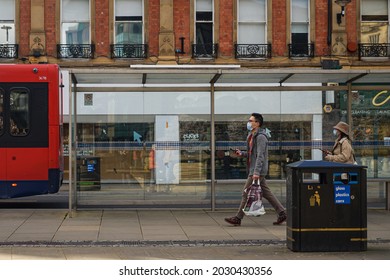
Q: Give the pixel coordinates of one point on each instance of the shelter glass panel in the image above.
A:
(143, 149)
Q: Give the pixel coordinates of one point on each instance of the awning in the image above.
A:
(156, 78)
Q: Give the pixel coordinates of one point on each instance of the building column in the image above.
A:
(166, 35)
(37, 42)
(339, 34)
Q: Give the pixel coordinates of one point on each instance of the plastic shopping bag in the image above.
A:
(254, 204)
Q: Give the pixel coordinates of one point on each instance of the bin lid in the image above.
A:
(322, 164)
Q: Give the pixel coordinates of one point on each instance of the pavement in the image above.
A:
(50, 234)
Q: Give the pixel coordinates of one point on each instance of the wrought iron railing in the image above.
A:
(9, 51)
(253, 50)
(129, 51)
(204, 50)
(374, 50)
(75, 50)
(298, 50)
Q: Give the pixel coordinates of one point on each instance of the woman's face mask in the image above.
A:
(249, 126)
(335, 133)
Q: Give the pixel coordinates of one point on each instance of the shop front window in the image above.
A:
(371, 130)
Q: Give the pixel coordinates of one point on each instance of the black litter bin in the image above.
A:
(326, 206)
(88, 173)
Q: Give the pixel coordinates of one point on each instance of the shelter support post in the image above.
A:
(387, 187)
(72, 150)
(212, 145)
(349, 108)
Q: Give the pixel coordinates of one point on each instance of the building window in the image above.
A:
(252, 29)
(300, 28)
(128, 22)
(204, 28)
(75, 22)
(8, 48)
(375, 21)
(252, 21)
(7, 22)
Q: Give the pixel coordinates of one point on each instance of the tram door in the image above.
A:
(2, 151)
(25, 140)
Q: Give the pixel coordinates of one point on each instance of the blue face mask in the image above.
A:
(249, 126)
(335, 132)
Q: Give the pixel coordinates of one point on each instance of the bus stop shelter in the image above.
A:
(211, 79)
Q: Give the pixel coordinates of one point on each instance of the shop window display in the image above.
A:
(370, 128)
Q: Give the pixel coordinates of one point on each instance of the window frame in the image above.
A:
(11, 21)
(196, 21)
(265, 22)
(307, 21)
(142, 21)
(366, 21)
(13, 109)
(63, 39)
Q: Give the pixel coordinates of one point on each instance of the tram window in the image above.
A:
(1, 110)
(19, 112)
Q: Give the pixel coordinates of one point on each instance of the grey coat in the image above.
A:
(259, 156)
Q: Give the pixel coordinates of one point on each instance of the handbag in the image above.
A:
(254, 203)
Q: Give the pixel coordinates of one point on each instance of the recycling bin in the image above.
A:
(326, 206)
(88, 173)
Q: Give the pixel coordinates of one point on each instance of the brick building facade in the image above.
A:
(38, 25)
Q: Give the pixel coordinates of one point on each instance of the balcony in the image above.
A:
(129, 51)
(9, 51)
(374, 51)
(75, 50)
(301, 50)
(204, 50)
(253, 50)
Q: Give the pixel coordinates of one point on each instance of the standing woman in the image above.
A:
(342, 150)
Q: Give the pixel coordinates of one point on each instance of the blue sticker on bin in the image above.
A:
(342, 194)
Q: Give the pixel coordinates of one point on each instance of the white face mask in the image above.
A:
(335, 132)
(249, 126)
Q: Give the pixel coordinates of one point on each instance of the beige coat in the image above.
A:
(342, 152)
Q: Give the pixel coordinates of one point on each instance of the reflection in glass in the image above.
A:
(128, 32)
(19, 112)
(75, 33)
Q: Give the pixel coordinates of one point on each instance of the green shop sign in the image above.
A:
(367, 102)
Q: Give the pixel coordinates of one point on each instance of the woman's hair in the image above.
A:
(342, 134)
(258, 117)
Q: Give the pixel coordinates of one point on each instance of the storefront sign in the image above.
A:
(367, 100)
(381, 98)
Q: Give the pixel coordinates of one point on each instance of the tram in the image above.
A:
(31, 130)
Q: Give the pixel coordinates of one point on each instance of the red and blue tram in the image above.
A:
(31, 150)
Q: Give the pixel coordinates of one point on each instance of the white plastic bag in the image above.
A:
(254, 204)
